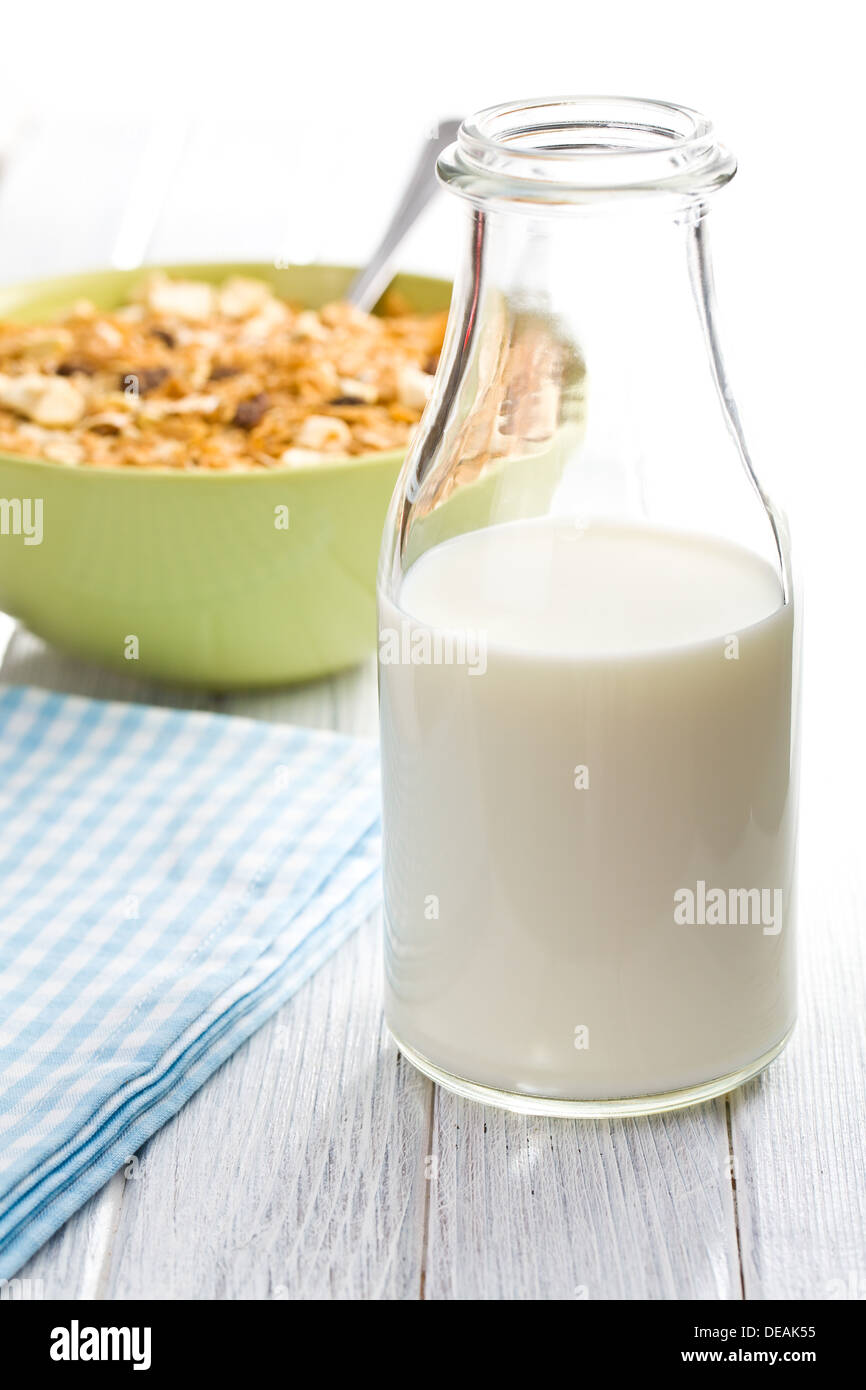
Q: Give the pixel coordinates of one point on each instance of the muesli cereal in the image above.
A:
(195, 376)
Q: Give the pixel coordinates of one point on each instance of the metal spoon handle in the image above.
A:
(370, 284)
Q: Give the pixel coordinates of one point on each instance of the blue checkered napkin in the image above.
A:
(167, 880)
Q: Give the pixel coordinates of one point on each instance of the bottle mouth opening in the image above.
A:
(563, 149)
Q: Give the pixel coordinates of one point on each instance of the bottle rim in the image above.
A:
(574, 148)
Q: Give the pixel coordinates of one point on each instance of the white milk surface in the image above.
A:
(587, 773)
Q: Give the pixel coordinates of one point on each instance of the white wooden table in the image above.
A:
(316, 1163)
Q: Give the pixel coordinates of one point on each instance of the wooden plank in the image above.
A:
(526, 1208)
(800, 1134)
(30, 661)
(74, 1263)
(346, 701)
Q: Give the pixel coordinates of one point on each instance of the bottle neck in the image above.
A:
(588, 333)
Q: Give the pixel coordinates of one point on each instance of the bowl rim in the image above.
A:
(29, 288)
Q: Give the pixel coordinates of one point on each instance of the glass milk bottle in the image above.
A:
(586, 644)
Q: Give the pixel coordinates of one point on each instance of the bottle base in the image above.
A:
(590, 1109)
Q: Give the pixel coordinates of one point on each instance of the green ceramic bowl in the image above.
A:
(193, 566)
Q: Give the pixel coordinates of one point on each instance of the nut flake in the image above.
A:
(47, 400)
